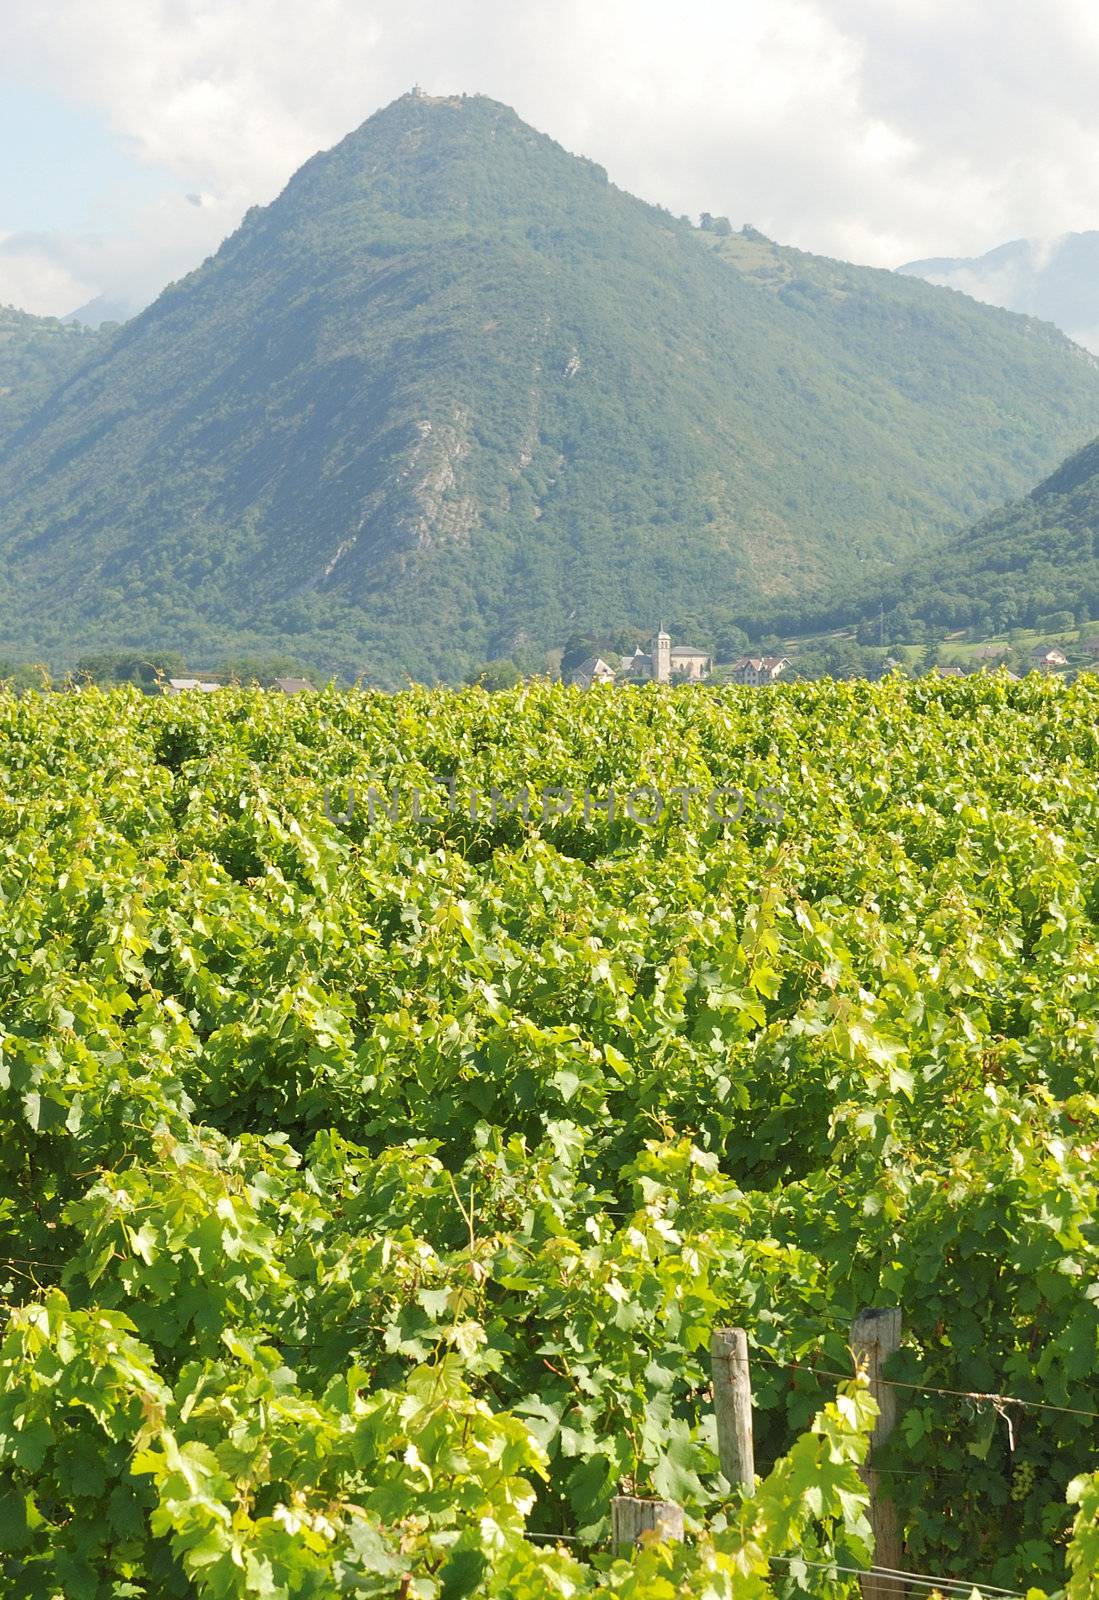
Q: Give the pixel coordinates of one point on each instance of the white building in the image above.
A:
(687, 662)
(593, 670)
(757, 670)
(182, 685)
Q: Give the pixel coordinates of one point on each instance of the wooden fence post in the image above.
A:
(733, 1405)
(630, 1518)
(874, 1337)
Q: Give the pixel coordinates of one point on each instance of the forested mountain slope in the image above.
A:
(1057, 279)
(453, 390)
(1033, 558)
(37, 356)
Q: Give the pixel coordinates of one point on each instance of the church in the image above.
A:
(663, 662)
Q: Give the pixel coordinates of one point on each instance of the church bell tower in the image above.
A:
(662, 657)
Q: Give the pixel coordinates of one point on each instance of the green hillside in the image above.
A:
(1051, 278)
(1029, 561)
(37, 355)
(454, 392)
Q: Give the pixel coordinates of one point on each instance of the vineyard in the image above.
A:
(382, 1145)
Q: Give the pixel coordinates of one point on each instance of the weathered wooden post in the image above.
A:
(874, 1337)
(733, 1405)
(630, 1518)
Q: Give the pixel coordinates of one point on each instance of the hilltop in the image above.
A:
(454, 393)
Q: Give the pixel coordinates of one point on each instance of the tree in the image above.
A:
(493, 675)
(27, 675)
(128, 666)
(730, 642)
(929, 658)
(264, 669)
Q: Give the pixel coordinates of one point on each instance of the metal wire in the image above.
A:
(928, 1388)
(956, 1584)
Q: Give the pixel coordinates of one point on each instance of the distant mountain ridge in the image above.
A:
(1056, 279)
(453, 392)
(104, 308)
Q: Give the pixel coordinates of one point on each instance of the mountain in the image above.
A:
(1057, 279)
(453, 394)
(1018, 567)
(103, 309)
(37, 356)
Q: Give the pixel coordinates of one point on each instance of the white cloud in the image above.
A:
(34, 280)
(879, 129)
(55, 273)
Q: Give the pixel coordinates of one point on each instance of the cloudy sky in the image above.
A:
(136, 132)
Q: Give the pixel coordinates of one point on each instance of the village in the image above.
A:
(660, 660)
(681, 664)
(665, 662)
(669, 663)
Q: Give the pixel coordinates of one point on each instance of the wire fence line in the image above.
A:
(946, 1586)
(929, 1388)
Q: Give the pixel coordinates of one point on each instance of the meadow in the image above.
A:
(372, 1178)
